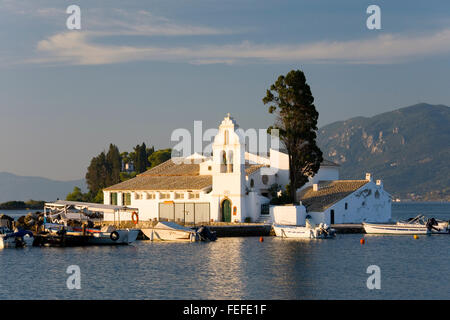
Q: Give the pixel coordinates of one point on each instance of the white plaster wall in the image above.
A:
(214, 207)
(256, 159)
(363, 206)
(253, 207)
(258, 183)
(288, 215)
(279, 162)
(324, 174)
(204, 167)
(120, 216)
(318, 217)
(149, 208)
(106, 197)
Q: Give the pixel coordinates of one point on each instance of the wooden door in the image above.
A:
(226, 211)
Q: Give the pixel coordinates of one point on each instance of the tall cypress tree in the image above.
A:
(114, 165)
(137, 159)
(140, 158)
(144, 158)
(290, 98)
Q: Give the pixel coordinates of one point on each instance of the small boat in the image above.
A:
(108, 235)
(417, 225)
(111, 236)
(86, 216)
(171, 231)
(432, 224)
(309, 231)
(375, 228)
(18, 238)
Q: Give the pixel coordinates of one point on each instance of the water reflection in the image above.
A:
(223, 272)
(235, 268)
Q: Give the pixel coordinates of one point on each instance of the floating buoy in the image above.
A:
(362, 241)
(416, 236)
(261, 239)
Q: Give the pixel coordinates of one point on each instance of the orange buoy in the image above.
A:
(261, 239)
(416, 236)
(362, 241)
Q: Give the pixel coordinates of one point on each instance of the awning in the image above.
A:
(95, 207)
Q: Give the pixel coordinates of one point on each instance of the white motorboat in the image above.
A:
(434, 225)
(110, 236)
(321, 231)
(375, 228)
(417, 225)
(171, 231)
(15, 239)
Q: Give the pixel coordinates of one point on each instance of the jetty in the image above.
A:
(241, 229)
(346, 228)
(230, 229)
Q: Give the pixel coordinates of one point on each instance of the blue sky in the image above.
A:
(137, 70)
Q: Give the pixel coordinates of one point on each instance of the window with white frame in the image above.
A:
(150, 196)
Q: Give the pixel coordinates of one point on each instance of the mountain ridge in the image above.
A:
(24, 188)
(408, 148)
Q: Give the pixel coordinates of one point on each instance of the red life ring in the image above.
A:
(135, 217)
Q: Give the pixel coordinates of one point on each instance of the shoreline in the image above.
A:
(393, 202)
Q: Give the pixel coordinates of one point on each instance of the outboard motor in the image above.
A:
(18, 237)
(327, 230)
(431, 223)
(206, 234)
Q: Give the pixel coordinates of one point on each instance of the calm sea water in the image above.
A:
(240, 268)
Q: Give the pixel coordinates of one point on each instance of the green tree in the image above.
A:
(97, 173)
(159, 157)
(140, 158)
(104, 170)
(76, 195)
(114, 165)
(291, 100)
(126, 176)
(99, 197)
(150, 151)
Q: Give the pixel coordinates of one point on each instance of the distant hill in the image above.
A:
(14, 187)
(408, 148)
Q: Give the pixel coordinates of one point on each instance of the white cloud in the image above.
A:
(50, 12)
(80, 48)
(118, 22)
(30, 9)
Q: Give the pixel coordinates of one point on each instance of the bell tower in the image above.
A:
(228, 148)
(229, 170)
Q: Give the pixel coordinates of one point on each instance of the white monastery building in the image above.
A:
(234, 186)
